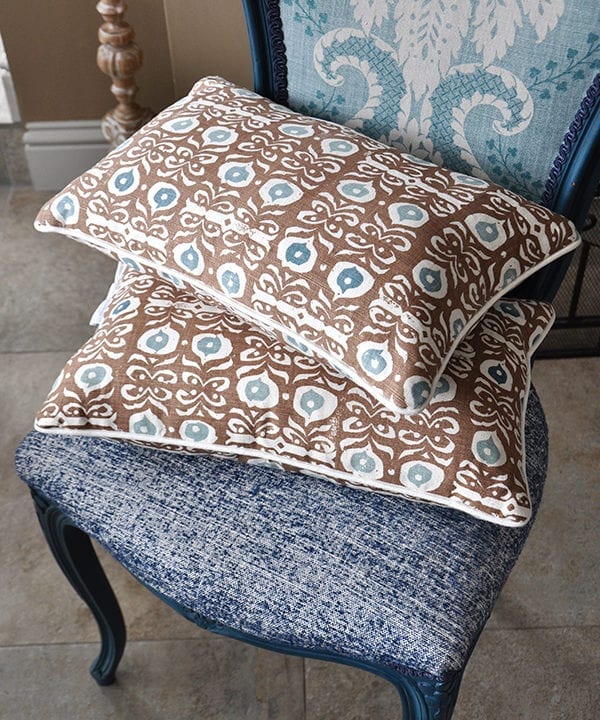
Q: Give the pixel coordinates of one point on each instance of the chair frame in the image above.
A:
(569, 190)
(422, 698)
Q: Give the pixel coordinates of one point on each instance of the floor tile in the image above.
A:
(556, 581)
(12, 150)
(27, 567)
(544, 674)
(50, 284)
(209, 678)
(336, 691)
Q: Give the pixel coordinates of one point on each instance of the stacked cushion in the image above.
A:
(359, 333)
(375, 261)
(167, 369)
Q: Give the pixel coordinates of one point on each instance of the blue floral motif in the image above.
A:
(66, 208)
(311, 402)
(445, 390)
(163, 196)
(349, 280)
(297, 255)
(196, 430)
(297, 344)
(237, 174)
(356, 190)
(93, 377)
(324, 106)
(510, 273)
(431, 278)
(209, 345)
(487, 229)
(374, 362)
(280, 192)
(188, 257)
(124, 182)
(121, 307)
(556, 76)
(509, 308)
(258, 391)
(231, 282)
(232, 279)
(419, 474)
(314, 403)
(488, 449)
(181, 124)
(423, 476)
(363, 463)
(339, 147)
(146, 423)
(296, 130)
(159, 341)
(416, 392)
(408, 214)
(219, 136)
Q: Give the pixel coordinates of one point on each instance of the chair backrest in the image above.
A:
(501, 89)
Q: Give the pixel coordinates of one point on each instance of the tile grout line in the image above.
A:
(304, 688)
(11, 646)
(95, 643)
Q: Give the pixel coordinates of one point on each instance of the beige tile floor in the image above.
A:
(538, 659)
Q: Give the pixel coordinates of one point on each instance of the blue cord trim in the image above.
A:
(277, 50)
(570, 140)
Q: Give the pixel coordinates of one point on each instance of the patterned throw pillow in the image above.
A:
(168, 370)
(375, 261)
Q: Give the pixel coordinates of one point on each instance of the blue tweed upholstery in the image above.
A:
(288, 558)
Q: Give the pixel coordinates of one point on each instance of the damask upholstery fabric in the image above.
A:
(375, 261)
(472, 85)
(276, 555)
(167, 370)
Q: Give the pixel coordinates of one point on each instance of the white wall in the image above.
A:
(9, 112)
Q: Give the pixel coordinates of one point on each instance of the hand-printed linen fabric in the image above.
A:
(485, 87)
(373, 260)
(166, 369)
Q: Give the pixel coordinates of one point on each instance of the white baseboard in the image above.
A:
(57, 152)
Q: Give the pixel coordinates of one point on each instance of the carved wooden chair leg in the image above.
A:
(428, 699)
(77, 559)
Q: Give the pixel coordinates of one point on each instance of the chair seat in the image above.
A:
(287, 558)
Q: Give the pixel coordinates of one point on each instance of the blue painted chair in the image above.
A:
(502, 90)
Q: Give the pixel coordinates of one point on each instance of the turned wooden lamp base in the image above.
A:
(116, 128)
(120, 58)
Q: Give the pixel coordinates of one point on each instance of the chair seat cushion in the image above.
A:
(288, 558)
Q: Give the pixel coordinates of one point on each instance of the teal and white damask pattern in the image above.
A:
(470, 84)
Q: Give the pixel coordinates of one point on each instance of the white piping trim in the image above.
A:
(245, 311)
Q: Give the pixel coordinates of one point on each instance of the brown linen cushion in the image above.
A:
(377, 262)
(168, 370)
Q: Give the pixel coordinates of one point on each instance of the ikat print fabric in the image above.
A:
(168, 369)
(374, 261)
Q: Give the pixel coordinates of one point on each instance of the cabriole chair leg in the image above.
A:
(428, 699)
(77, 559)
